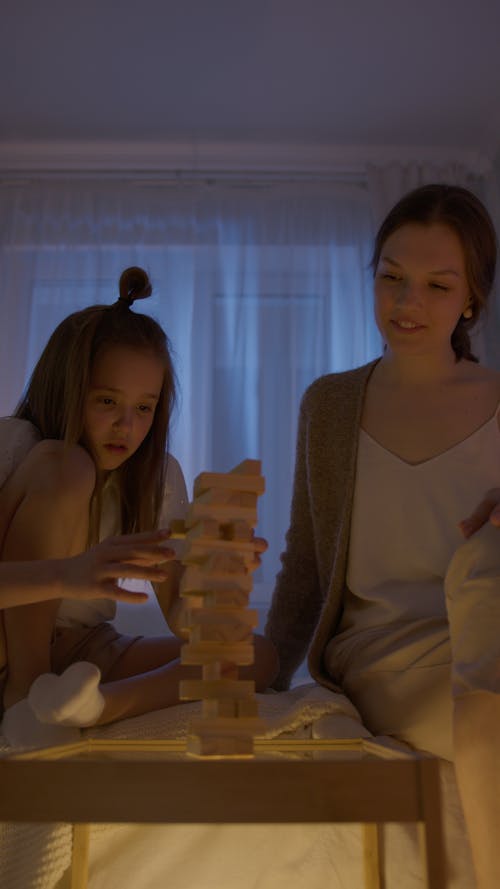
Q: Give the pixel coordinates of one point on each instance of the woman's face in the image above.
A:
(421, 289)
(125, 386)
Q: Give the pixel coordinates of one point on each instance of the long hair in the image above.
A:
(464, 213)
(54, 399)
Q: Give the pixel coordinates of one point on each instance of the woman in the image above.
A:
(392, 461)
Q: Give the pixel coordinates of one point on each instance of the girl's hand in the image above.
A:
(93, 574)
(487, 511)
(260, 547)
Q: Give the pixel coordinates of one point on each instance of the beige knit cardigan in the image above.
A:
(308, 596)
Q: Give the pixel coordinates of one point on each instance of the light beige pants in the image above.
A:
(403, 678)
(472, 587)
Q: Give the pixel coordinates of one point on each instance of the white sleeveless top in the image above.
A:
(404, 527)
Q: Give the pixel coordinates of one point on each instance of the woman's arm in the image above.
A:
(294, 610)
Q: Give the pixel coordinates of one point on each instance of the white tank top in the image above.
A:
(404, 527)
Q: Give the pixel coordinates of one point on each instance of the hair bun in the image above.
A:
(134, 284)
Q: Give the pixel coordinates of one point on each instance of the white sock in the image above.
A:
(73, 698)
(21, 728)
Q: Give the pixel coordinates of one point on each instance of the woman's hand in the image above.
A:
(93, 574)
(487, 511)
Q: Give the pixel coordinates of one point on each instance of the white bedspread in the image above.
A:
(231, 856)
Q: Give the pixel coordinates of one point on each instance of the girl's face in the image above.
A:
(421, 289)
(125, 385)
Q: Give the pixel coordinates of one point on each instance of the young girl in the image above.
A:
(100, 400)
(392, 461)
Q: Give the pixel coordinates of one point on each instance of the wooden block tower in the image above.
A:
(219, 558)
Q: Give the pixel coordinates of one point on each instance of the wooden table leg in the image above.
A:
(372, 857)
(80, 856)
(431, 829)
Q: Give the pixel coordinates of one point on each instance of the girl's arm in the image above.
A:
(91, 575)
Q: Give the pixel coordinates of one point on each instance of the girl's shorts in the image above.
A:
(101, 645)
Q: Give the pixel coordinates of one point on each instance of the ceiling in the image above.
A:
(305, 76)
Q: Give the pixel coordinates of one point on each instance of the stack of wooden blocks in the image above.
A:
(219, 558)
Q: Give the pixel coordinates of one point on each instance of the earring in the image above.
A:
(467, 313)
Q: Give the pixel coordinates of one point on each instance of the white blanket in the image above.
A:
(230, 856)
(294, 713)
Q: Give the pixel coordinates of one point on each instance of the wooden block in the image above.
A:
(225, 725)
(222, 563)
(238, 530)
(211, 708)
(216, 615)
(228, 598)
(239, 653)
(218, 670)
(197, 537)
(178, 529)
(199, 745)
(223, 633)
(207, 529)
(201, 579)
(241, 555)
(224, 513)
(247, 707)
(231, 689)
(194, 601)
(229, 481)
(210, 529)
(212, 671)
(219, 497)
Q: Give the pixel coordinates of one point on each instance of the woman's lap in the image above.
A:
(399, 680)
(413, 705)
(403, 683)
(472, 587)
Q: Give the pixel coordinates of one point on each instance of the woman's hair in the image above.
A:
(54, 399)
(464, 213)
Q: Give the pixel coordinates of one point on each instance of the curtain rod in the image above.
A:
(162, 178)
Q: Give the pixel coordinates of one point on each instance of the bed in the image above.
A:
(232, 856)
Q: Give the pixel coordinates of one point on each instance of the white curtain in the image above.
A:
(260, 287)
(388, 183)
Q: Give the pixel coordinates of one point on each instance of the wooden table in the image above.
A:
(362, 781)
